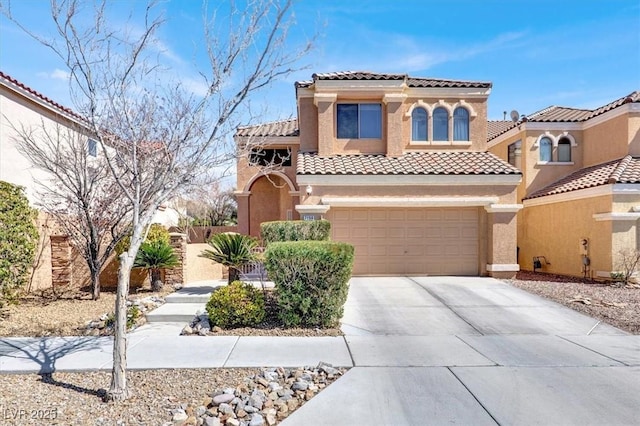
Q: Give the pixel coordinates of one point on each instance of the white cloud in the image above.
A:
(56, 74)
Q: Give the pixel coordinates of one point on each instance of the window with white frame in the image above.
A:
(440, 124)
(564, 150)
(460, 124)
(546, 149)
(359, 121)
(419, 124)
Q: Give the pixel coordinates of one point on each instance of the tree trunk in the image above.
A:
(118, 391)
(95, 282)
(234, 274)
(156, 281)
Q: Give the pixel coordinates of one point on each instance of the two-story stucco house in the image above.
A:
(400, 167)
(580, 185)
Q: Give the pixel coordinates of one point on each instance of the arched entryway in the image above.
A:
(270, 199)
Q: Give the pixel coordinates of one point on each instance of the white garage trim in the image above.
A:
(392, 180)
(408, 201)
(503, 267)
(312, 209)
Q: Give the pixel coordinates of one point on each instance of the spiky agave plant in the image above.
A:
(231, 250)
(155, 256)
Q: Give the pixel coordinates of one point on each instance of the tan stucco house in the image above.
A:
(580, 185)
(400, 167)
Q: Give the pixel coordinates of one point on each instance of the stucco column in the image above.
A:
(242, 198)
(177, 274)
(325, 103)
(394, 116)
(60, 261)
(502, 240)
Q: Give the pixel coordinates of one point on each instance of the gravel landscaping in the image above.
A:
(224, 396)
(614, 304)
(72, 313)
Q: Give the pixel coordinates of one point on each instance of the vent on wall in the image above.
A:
(289, 214)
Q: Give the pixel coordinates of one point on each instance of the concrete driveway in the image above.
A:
(467, 350)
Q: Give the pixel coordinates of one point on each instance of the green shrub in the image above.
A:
(18, 239)
(295, 230)
(236, 305)
(312, 280)
(231, 250)
(133, 314)
(156, 232)
(154, 257)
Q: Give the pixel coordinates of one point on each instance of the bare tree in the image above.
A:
(216, 206)
(80, 194)
(156, 135)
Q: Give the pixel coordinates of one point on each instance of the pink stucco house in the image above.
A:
(400, 167)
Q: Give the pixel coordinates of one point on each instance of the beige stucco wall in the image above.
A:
(18, 112)
(607, 141)
(200, 268)
(555, 231)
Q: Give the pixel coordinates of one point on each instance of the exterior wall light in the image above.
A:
(309, 190)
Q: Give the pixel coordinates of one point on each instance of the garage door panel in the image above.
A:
(398, 241)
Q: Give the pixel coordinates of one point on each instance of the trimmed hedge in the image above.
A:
(238, 304)
(295, 230)
(312, 280)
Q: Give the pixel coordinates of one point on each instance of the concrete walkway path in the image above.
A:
(431, 350)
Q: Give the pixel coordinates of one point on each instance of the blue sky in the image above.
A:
(538, 53)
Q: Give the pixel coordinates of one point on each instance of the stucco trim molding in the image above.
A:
(324, 97)
(503, 208)
(503, 267)
(408, 201)
(615, 216)
(312, 208)
(393, 180)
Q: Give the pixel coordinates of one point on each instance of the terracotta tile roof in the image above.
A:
(15, 84)
(410, 81)
(412, 163)
(276, 128)
(557, 113)
(565, 114)
(624, 170)
(497, 127)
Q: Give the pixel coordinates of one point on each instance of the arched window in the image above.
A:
(564, 150)
(440, 124)
(419, 124)
(461, 124)
(546, 147)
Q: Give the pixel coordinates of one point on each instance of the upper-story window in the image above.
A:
(270, 157)
(92, 148)
(419, 124)
(359, 121)
(546, 148)
(461, 124)
(564, 150)
(440, 124)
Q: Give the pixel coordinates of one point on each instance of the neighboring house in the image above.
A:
(580, 186)
(400, 167)
(24, 107)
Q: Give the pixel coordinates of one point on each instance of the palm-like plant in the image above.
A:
(155, 256)
(231, 250)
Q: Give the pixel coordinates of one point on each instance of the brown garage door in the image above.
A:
(409, 241)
